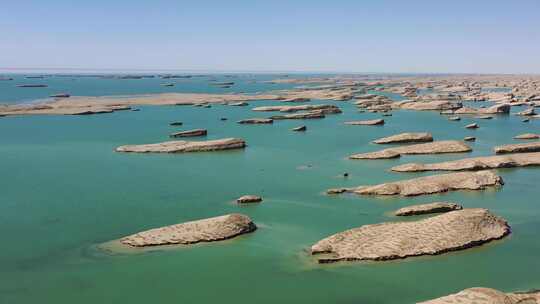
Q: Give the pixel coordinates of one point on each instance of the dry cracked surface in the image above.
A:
(518, 148)
(437, 147)
(180, 146)
(407, 137)
(434, 184)
(456, 230)
(205, 230)
(475, 163)
(481, 295)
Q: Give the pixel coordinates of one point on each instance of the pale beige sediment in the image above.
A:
(452, 231)
(339, 92)
(518, 148)
(105, 104)
(436, 147)
(317, 114)
(435, 207)
(479, 180)
(407, 137)
(481, 295)
(527, 136)
(373, 122)
(181, 146)
(503, 108)
(322, 107)
(205, 230)
(438, 105)
(475, 163)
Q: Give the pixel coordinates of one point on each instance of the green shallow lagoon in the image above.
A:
(65, 192)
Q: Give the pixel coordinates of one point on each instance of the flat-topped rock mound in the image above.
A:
(434, 184)
(372, 122)
(436, 207)
(246, 199)
(181, 146)
(304, 115)
(502, 108)
(481, 295)
(325, 108)
(190, 133)
(527, 136)
(436, 147)
(206, 230)
(407, 137)
(437, 105)
(475, 163)
(456, 230)
(518, 148)
(382, 154)
(252, 121)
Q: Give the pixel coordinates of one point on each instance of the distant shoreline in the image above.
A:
(46, 70)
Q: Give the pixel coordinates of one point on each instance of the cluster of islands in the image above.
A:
(448, 226)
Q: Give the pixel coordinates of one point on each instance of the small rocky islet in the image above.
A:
(190, 133)
(407, 137)
(253, 121)
(475, 163)
(373, 122)
(181, 146)
(436, 147)
(432, 184)
(451, 231)
(205, 230)
(436, 207)
(481, 295)
(518, 148)
(527, 136)
(249, 199)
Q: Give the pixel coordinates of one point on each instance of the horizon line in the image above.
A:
(149, 70)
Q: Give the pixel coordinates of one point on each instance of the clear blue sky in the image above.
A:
(277, 35)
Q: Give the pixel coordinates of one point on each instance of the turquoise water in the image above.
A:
(65, 193)
(102, 85)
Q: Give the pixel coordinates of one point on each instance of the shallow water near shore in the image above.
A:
(65, 193)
